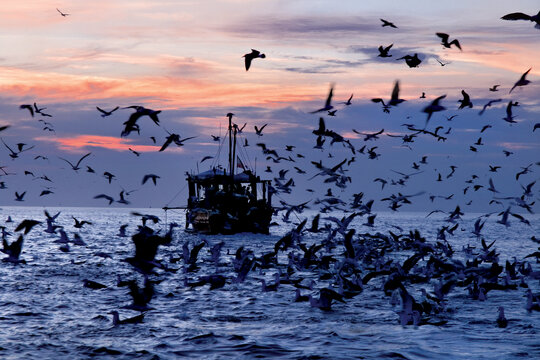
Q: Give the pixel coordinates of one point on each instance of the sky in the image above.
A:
(185, 59)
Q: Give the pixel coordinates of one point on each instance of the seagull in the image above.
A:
(494, 88)
(106, 113)
(411, 61)
(106, 197)
(491, 102)
(29, 107)
(27, 225)
(434, 107)
(509, 117)
(154, 178)
(466, 101)
(388, 23)
(522, 16)
(132, 320)
(328, 105)
(76, 166)
(522, 81)
(80, 224)
(348, 102)
(61, 13)
(394, 100)
(19, 197)
(134, 152)
(444, 41)
(383, 52)
(13, 250)
(259, 131)
(442, 63)
(252, 55)
(109, 176)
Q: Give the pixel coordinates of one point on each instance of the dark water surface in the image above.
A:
(46, 312)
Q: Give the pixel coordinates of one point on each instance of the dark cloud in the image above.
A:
(306, 26)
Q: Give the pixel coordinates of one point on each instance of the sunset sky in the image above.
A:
(185, 59)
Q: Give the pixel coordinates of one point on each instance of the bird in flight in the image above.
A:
(442, 63)
(434, 107)
(411, 61)
(154, 178)
(494, 88)
(444, 41)
(252, 55)
(522, 81)
(348, 102)
(106, 113)
(29, 107)
(466, 101)
(61, 13)
(76, 166)
(394, 100)
(259, 131)
(388, 23)
(328, 105)
(522, 16)
(491, 102)
(383, 52)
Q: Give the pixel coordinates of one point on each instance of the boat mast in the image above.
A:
(230, 115)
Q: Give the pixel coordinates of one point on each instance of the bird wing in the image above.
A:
(443, 36)
(329, 99)
(69, 162)
(395, 92)
(81, 159)
(247, 60)
(516, 16)
(101, 110)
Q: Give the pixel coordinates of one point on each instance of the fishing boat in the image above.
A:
(227, 202)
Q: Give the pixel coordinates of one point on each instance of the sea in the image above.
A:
(46, 312)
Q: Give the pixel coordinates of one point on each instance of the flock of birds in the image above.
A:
(346, 260)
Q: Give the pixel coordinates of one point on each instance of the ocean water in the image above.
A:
(46, 312)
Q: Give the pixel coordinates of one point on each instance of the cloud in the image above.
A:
(81, 143)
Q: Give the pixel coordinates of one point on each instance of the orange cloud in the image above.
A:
(77, 143)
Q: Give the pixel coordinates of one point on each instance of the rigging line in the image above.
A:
(175, 196)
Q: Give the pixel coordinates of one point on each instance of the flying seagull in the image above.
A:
(328, 105)
(76, 166)
(411, 61)
(522, 81)
(388, 23)
(252, 55)
(383, 52)
(434, 107)
(105, 113)
(61, 13)
(522, 16)
(444, 41)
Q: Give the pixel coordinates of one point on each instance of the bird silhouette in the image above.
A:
(466, 101)
(522, 81)
(76, 166)
(411, 60)
(383, 51)
(154, 178)
(328, 104)
(254, 54)
(62, 13)
(259, 131)
(444, 41)
(434, 107)
(105, 113)
(388, 23)
(522, 16)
